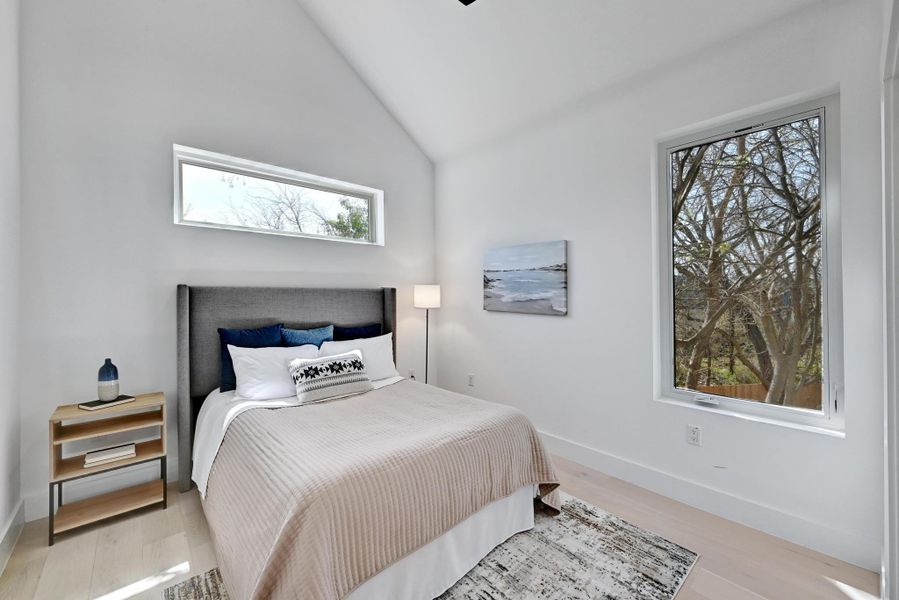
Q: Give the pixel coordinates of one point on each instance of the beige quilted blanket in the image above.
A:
(311, 501)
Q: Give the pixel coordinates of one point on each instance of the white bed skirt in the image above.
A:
(436, 566)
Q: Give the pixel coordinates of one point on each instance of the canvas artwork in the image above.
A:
(530, 278)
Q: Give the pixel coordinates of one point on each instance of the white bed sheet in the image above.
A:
(218, 412)
(436, 566)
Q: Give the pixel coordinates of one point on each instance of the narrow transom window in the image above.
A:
(220, 191)
(750, 319)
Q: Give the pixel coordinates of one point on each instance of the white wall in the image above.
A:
(586, 379)
(108, 86)
(890, 580)
(9, 265)
(890, 71)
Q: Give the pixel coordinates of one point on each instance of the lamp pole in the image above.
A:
(426, 297)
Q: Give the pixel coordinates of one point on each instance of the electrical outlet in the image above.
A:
(411, 373)
(471, 380)
(694, 435)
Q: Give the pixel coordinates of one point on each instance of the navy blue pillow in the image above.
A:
(301, 337)
(264, 337)
(355, 333)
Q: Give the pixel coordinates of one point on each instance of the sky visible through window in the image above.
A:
(224, 198)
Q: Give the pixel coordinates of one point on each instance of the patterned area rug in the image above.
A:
(584, 553)
(207, 586)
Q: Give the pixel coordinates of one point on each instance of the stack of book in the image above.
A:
(108, 455)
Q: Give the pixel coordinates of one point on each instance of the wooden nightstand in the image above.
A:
(146, 411)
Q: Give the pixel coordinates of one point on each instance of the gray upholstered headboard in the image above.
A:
(202, 310)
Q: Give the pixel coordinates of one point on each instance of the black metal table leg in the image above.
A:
(52, 511)
(165, 482)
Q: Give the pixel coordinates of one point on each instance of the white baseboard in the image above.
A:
(817, 536)
(37, 502)
(10, 533)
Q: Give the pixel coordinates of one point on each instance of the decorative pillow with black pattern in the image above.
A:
(329, 377)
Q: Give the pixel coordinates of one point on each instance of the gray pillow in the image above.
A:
(329, 377)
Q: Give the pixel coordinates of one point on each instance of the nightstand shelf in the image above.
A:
(70, 424)
(91, 429)
(73, 466)
(104, 506)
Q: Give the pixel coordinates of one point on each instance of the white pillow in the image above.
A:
(329, 377)
(377, 352)
(262, 372)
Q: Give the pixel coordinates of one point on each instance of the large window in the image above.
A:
(752, 268)
(215, 190)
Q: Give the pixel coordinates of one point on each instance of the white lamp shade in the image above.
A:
(426, 296)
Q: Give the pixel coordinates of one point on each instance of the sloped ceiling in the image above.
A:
(456, 76)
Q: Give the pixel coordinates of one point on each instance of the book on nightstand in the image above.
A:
(108, 455)
(100, 404)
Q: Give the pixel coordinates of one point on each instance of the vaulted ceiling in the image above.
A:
(456, 76)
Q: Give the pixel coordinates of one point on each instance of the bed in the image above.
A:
(395, 493)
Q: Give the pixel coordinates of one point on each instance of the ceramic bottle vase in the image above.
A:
(108, 381)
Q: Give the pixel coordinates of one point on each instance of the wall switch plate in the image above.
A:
(694, 435)
(471, 380)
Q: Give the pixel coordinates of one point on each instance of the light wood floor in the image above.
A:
(138, 556)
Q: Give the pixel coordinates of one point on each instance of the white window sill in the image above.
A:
(720, 410)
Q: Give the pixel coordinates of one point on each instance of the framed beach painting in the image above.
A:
(530, 278)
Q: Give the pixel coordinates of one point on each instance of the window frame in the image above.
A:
(831, 418)
(240, 166)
